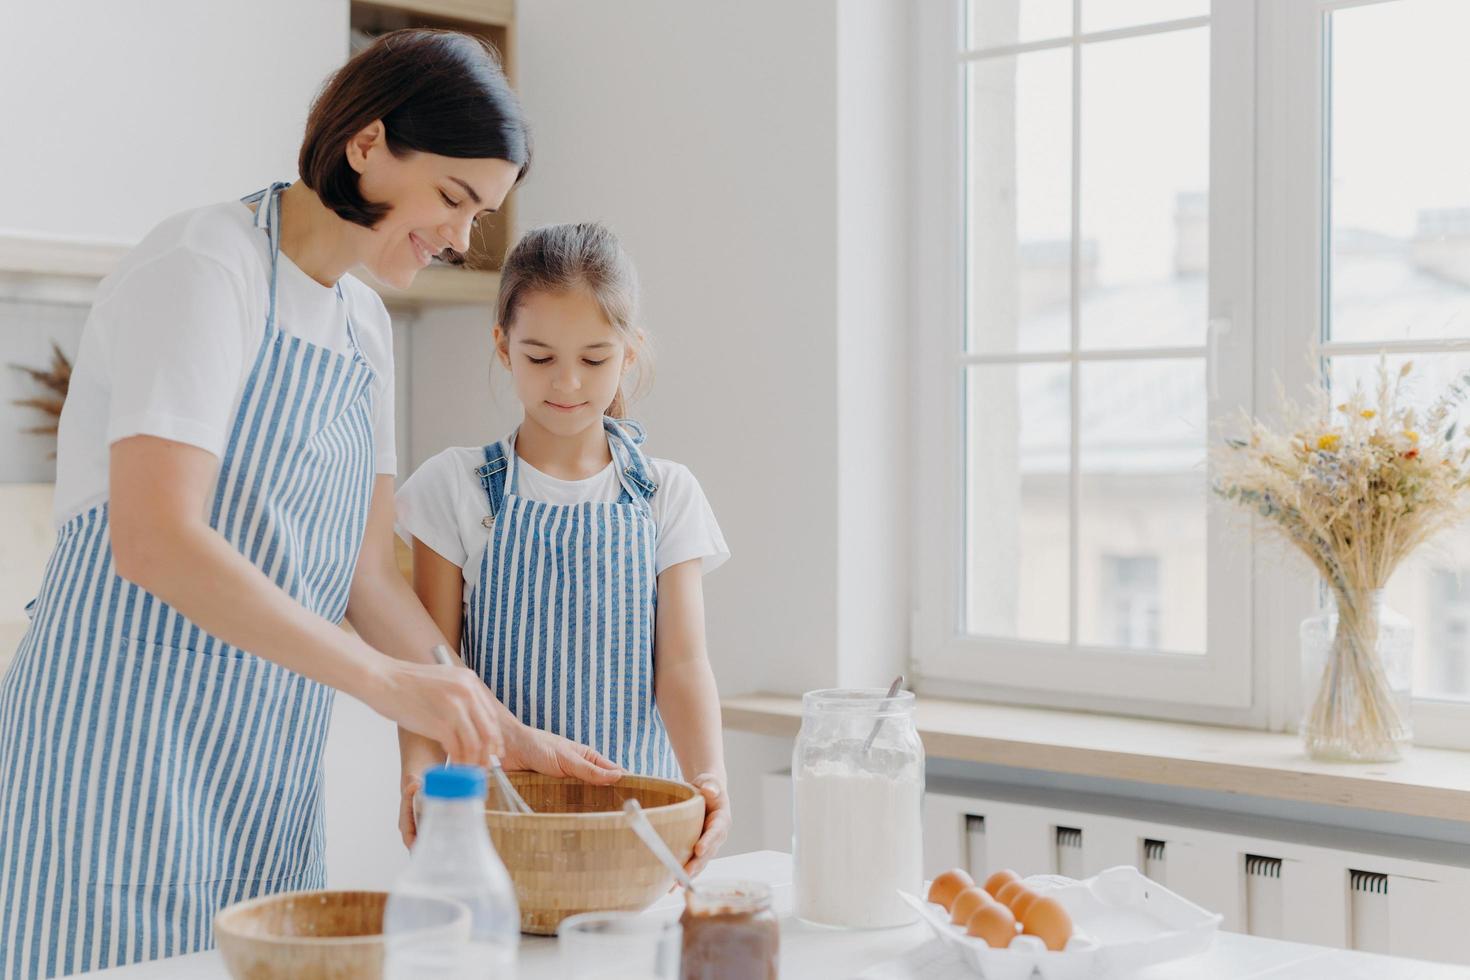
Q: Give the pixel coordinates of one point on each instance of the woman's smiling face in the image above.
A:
(434, 202)
(565, 358)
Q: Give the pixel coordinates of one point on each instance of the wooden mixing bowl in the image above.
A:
(577, 853)
(317, 935)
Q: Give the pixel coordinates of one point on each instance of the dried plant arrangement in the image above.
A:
(1355, 487)
(56, 380)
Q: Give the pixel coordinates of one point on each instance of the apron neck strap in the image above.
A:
(268, 216)
(624, 437)
(500, 473)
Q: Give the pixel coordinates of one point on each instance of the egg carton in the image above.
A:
(1121, 922)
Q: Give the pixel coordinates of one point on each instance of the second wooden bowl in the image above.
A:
(318, 935)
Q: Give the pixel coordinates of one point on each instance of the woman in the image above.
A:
(225, 497)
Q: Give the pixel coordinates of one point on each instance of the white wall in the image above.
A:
(873, 337)
(705, 135)
(455, 400)
(120, 114)
(752, 159)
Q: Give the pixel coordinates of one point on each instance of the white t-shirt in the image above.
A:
(444, 505)
(174, 331)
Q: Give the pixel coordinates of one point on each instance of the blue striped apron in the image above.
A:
(560, 621)
(152, 773)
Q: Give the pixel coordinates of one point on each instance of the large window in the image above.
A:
(1136, 218)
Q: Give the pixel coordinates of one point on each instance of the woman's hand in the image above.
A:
(450, 705)
(552, 755)
(716, 823)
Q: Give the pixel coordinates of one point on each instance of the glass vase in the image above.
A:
(1357, 668)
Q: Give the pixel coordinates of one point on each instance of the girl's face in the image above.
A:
(435, 201)
(565, 358)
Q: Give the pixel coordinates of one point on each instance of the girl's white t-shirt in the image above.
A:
(444, 505)
(173, 334)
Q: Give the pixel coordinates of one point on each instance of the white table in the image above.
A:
(813, 953)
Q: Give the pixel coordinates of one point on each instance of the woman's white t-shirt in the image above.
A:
(444, 505)
(174, 332)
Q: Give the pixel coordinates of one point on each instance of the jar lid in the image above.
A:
(857, 700)
(732, 897)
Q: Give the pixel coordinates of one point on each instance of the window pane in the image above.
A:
(1017, 513)
(1020, 202)
(1432, 587)
(1107, 15)
(999, 23)
(1145, 159)
(1141, 518)
(1400, 257)
(1441, 585)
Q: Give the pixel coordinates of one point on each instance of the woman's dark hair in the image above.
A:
(436, 92)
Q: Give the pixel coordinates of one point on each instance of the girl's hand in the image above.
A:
(418, 757)
(408, 818)
(716, 822)
(552, 755)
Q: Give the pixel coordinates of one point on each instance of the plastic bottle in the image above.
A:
(452, 915)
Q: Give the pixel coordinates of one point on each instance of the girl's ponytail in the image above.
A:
(618, 409)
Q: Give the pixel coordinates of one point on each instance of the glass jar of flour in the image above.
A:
(858, 795)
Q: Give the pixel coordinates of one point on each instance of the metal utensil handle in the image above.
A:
(638, 820)
(445, 658)
(518, 803)
(878, 725)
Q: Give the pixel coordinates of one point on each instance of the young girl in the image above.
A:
(567, 561)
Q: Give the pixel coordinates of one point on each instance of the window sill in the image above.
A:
(1426, 783)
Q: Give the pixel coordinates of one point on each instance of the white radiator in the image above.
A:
(1264, 904)
(1155, 860)
(1068, 859)
(1294, 881)
(1368, 911)
(975, 860)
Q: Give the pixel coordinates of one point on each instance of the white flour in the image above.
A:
(858, 841)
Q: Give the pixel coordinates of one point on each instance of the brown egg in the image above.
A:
(944, 888)
(966, 903)
(993, 923)
(999, 880)
(1049, 922)
(1010, 892)
(1021, 903)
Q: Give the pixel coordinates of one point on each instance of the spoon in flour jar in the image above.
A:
(878, 725)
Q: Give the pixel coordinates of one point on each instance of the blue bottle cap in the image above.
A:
(455, 783)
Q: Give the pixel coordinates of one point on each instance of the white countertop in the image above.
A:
(814, 953)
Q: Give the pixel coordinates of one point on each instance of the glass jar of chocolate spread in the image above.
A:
(730, 932)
